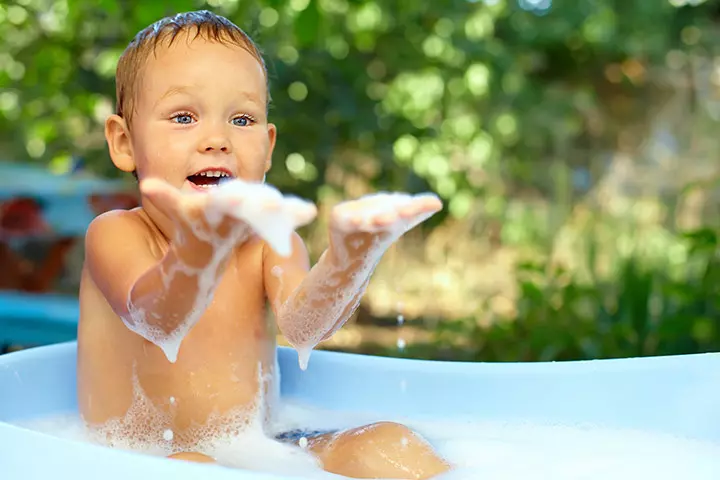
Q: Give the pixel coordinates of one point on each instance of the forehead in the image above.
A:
(202, 66)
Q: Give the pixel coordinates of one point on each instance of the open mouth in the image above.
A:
(209, 178)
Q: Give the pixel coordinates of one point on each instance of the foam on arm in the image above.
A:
(322, 303)
(159, 300)
(311, 308)
(170, 298)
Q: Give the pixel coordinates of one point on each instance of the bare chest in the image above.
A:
(235, 311)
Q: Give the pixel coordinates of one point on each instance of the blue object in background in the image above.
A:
(64, 196)
(37, 319)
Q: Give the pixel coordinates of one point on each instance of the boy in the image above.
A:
(173, 345)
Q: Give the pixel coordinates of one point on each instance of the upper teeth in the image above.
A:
(213, 173)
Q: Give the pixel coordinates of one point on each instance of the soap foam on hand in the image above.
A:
(384, 217)
(271, 215)
(374, 205)
(265, 211)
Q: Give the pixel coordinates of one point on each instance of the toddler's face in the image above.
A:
(202, 115)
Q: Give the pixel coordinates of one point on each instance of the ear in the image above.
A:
(272, 135)
(119, 145)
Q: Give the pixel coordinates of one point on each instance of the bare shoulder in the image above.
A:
(119, 247)
(121, 230)
(117, 222)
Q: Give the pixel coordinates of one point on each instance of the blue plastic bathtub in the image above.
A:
(677, 395)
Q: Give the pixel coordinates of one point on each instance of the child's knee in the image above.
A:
(384, 450)
(388, 434)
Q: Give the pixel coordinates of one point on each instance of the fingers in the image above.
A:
(364, 215)
(421, 205)
(420, 210)
(154, 187)
(300, 212)
(345, 222)
(385, 219)
(164, 196)
(226, 198)
(425, 207)
(307, 215)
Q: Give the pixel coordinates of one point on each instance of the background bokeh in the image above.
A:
(574, 143)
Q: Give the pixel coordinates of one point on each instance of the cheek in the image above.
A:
(162, 154)
(252, 153)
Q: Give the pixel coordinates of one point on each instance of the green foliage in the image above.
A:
(452, 96)
(644, 309)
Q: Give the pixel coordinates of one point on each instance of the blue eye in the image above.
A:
(183, 118)
(242, 121)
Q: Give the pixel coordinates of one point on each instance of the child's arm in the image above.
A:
(159, 299)
(311, 306)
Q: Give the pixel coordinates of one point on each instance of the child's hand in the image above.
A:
(271, 215)
(231, 212)
(191, 213)
(378, 220)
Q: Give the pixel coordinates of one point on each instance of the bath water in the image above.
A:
(479, 449)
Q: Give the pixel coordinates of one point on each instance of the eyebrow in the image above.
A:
(176, 90)
(186, 89)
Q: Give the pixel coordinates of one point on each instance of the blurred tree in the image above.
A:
(408, 95)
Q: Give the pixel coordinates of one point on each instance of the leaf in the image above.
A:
(307, 25)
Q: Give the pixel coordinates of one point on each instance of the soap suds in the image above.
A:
(502, 449)
(327, 305)
(264, 210)
(169, 342)
(149, 428)
(271, 215)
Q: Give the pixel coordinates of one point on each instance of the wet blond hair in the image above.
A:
(202, 23)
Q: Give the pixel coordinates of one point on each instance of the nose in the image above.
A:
(213, 146)
(216, 141)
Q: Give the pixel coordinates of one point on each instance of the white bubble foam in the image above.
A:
(264, 211)
(332, 291)
(477, 449)
(145, 423)
(273, 217)
(379, 204)
(319, 307)
(304, 356)
(170, 341)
